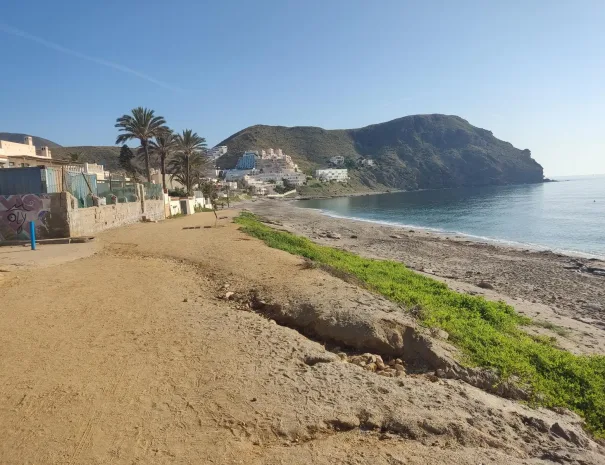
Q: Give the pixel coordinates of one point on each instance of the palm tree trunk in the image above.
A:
(163, 163)
(188, 177)
(147, 167)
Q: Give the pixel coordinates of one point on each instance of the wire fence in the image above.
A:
(84, 187)
(118, 191)
(153, 191)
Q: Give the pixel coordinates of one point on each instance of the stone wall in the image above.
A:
(66, 219)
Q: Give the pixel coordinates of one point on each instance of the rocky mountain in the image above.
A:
(413, 152)
(18, 138)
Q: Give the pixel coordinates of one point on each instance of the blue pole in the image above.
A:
(32, 234)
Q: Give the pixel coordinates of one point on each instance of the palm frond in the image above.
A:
(190, 142)
(141, 124)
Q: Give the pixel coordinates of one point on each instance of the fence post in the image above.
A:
(32, 234)
(142, 194)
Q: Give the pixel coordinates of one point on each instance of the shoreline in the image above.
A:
(393, 191)
(550, 287)
(351, 194)
(462, 236)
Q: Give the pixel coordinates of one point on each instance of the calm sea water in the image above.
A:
(566, 216)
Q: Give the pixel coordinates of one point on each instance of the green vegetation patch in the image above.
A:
(488, 333)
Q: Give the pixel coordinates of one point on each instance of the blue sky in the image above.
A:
(531, 71)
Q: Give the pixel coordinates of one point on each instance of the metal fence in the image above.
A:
(153, 191)
(118, 191)
(36, 180)
(84, 187)
(14, 181)
(53, 180)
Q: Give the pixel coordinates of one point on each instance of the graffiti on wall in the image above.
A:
(16, 211)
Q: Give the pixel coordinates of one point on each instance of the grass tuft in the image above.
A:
(560, 330)
(488, 333)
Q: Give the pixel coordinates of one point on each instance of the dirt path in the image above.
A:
(129, 357)
(13, 258)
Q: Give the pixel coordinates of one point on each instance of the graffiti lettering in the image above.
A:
(16, 211)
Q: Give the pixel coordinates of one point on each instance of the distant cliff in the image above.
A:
(413, 152)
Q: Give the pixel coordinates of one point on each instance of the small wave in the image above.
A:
(383, 222)
(476, 238)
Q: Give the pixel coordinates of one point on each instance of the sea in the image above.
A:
(566, 216)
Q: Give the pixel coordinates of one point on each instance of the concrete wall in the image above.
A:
(203, 202)
(92, 220)
(65, 219)
(175, 206)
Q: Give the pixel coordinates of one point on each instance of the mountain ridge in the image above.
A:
(412, 152)
(428, 151)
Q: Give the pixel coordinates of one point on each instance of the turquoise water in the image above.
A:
(566, 216)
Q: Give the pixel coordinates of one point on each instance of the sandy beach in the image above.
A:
(548, 287)
(146, 348)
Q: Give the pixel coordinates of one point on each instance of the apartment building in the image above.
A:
(14, 154)
(332, 174)
(216, 152)
(247, 161)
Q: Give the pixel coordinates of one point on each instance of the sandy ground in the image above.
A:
(132, 356)
(17, 257)
(538, 284)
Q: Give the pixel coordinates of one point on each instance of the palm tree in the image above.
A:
(163, 146)
(142, 125)
(189, 163)
(187, 170)
(74, 156)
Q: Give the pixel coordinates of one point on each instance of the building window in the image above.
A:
(11, 163)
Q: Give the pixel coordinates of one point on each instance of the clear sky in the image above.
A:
(533, 72)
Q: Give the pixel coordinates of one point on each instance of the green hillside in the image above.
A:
(413, 152)
(105, 155)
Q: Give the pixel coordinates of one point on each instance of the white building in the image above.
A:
(232, 185)
(293, 177)
(216, 152)
(171, 184)
(94, 168)
(13, 154)
(268, 166)
(332, 174)
(234, 175)
(367, 162)
(337, 160)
